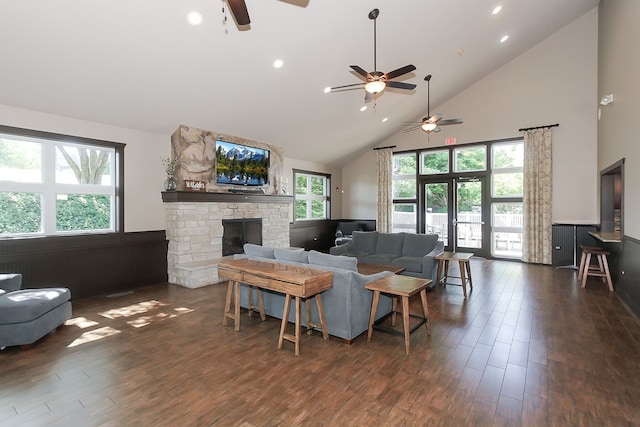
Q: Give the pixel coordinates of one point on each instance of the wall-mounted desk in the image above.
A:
(607, 236)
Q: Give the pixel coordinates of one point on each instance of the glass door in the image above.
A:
(468, 222)
(453, 209)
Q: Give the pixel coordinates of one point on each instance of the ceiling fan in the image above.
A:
(376, 81)
(431, 123)
(241, 14)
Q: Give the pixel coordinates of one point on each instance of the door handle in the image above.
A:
(454, 221)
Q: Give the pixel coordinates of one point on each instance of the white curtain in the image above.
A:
(385, 190)
(538, 180)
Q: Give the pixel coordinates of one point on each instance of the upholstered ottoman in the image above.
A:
(29, 314)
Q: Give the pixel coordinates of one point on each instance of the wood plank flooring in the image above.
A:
(529, 347)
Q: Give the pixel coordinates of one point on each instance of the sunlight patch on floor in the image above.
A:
(132, 310)
(94, 335)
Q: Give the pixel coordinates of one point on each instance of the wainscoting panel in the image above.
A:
(628, 284)
(88, 265)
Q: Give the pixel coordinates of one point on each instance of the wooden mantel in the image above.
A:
(194, 196)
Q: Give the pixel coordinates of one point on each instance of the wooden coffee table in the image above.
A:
(443, 276)
(370, 268)
(399, 287)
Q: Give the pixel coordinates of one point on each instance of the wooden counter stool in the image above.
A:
(586, 270)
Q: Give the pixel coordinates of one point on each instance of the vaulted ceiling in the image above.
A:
(140, 64)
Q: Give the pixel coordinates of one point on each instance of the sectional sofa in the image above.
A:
(346, 305)
(414, 252)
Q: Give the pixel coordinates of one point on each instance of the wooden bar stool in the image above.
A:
(602, 270)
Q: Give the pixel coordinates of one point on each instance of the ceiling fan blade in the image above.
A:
(449, 122)
(412, 128)
(240, 12)
(400, 71)
(437, 129)
(346, 87)
(360, 71)
(401, 85)
(435, 118)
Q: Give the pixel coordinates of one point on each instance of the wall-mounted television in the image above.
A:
(238, 164)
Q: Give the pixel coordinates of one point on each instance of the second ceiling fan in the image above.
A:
(431, 123)
(376, 81)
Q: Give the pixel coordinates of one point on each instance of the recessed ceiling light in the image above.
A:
(504, 39)
(363, 108)
(194, 18)
(327, 89)
(278, 63)
(385, 119)
(496, 10)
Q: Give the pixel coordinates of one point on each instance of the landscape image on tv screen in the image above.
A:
(241, 165)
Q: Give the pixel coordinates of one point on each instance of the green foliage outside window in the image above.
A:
(83, 212)
(436, 162)
(19, 213)
(470, 159)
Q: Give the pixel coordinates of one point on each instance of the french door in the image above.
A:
(455, 209)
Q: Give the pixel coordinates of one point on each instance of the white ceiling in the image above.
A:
(139, 64)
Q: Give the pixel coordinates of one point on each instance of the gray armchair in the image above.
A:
(26, 315)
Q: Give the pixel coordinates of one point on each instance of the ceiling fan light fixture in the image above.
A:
(375, 86)
(429, 126)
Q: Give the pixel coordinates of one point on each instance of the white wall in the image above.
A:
(143, 170)
(618, 69)
(554, 82)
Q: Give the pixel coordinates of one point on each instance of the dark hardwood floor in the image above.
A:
(529, 347)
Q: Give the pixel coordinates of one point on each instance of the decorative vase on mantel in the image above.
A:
(170, 183)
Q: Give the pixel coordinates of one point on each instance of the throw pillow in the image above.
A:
(337, 261)
(364, 241)
(291, 255)
(258, 251)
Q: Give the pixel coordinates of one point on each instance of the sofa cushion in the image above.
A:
(418, 245)
(378, 258)
(390, 243)
(29, 304)
(410, 263)
(336, 261)
(258, 251)
(291, 255)
(364, 241)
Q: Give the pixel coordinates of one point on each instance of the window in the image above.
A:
(404, 176)
(54, 184)
(470, 159)
(312, 192)
(404, 193)
(507, 160)
(434, 162)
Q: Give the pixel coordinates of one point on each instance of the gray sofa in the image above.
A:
(26, 315)
(414, 252)
(347, 305)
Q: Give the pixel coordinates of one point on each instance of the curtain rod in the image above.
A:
(382, 148)
(538, 127)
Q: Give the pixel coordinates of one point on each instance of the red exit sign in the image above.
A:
(450, 141)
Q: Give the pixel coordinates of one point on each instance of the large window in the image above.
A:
(54, 184)
(507, 160)
(312, 192)
(404, 193)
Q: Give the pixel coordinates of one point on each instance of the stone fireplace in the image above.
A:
(195, 231)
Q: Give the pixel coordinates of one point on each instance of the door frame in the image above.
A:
(452, 180)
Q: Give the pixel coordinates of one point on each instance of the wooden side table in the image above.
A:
(399, 287)
(465, 269)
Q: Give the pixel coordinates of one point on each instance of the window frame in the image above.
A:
(48, 180)
(326, 198)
